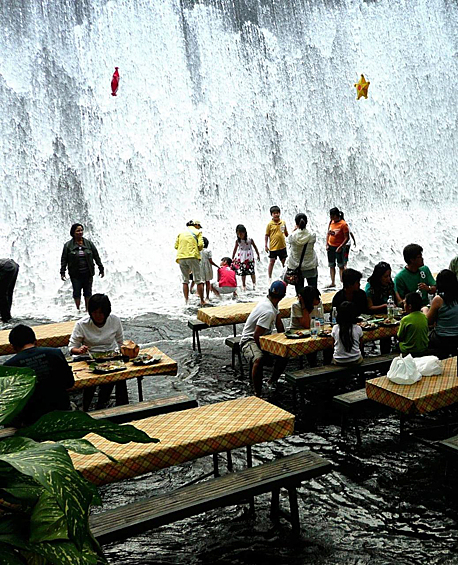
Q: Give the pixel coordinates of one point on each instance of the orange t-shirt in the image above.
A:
(337, 233)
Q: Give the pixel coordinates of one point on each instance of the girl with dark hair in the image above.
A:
(347, 336)
(379, 288)
(243, 256)
(299, 240)
(99, 332)
(336, 239)
(443, 313)
(308, 298)
(78, 256)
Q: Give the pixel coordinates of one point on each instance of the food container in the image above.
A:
(130, 349)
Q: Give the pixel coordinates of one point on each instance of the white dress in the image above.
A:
(206, 270)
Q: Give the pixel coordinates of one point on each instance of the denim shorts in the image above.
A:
(333, 255)
(84, 284)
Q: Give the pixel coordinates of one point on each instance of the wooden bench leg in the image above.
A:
(215, 465)
(295, 523)
(140, 389)
(233, 359)
(240, 363)
(275, 505)
(230, 467)
(198, 342)
(194, 339)
(234, 327)
(249, 463)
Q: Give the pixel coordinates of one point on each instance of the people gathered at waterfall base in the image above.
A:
(9, 270)
(275, 240)
(243, 256)
(227, 282)
(336, 239)
(189, 244)
(302, 254)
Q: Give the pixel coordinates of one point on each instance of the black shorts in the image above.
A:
(281, 254)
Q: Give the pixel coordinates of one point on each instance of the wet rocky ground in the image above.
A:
(385, 502)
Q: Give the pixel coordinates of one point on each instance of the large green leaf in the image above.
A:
(59, 425)
(16, 387)
(14, 444)
(48, 521)
(8, 556)
(65, 553)
(51, 466)
(83, 447)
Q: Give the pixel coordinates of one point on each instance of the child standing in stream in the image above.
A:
(243, 256)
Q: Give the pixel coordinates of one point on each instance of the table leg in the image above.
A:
(140, 389)
(234, 326)
(215, 465)
(229, 462)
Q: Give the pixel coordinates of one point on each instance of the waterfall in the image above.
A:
(225, 107)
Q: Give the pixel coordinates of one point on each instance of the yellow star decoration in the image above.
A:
(361, 88)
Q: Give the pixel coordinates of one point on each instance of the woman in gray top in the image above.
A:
(297, 240)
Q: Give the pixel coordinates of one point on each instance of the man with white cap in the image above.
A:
(188, 245)
(261, 322)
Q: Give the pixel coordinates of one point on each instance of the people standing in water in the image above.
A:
(275, 243)
(206, 268)
(243, 256)
(9, 270)
(189, 244)
(300, 238)
(336, 240)
(79, 255)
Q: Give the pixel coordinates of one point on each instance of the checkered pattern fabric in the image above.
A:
(279, 344)
(84, 377)
(185, 436)
(48, 335)
(427, 395)
(238, 313)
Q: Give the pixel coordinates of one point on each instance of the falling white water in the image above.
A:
(224, 108)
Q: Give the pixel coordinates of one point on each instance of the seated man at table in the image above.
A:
(414, 276)
(53, 373)
(352, 292)
(261, 322)
(413, 329)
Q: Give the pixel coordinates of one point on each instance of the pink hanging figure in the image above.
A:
(115, 82)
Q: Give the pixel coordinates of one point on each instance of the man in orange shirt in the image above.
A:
(337, 237)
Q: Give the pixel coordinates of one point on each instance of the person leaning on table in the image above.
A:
(189, 244)
(261, 322)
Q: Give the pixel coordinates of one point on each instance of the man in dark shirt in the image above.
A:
(8, 275)
(351, 292)
(53, 373)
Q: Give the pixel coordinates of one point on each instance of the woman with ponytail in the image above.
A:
(301, 238)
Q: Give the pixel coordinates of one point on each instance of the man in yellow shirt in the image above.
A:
(188, 245)
(276, 234)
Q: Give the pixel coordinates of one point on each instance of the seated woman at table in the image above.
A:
(348, 336)
(307, 298)
(100, 331)
(378, 289)
(443, 313)
(351, 292)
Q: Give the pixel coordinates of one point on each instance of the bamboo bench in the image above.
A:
(130, 412)
(137, 517)
(302, 377)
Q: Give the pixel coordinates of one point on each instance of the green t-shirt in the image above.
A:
(413, 333)
(406, 281)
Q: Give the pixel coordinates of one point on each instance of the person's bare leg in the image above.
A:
(283, 261)
(200, 292)
(256, 377)
(243, 282)
(253, 280)
(86, 301)
(270, 268)
(332, 270)
(207, 289)
(186, 292)
(341, 270)
(77, 302)
(215, 291)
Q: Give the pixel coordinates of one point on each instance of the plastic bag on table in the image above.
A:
(403, 371)
(428, 365)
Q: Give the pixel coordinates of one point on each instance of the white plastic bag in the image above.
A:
(403, 371)
(428, 365)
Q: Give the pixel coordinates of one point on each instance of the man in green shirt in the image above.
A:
(414, 276)
(413, 329)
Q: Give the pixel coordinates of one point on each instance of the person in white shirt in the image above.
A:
(98, 332)
(261, 322)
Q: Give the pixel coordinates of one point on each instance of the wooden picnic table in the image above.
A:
(185, 436)
(238, 313)
(279, 344)
(84, 377)
(48, 335)
(427, 395)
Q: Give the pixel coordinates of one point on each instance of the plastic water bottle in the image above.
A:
(313, 327)
(320, 313)
(390, 307)
(334, 316)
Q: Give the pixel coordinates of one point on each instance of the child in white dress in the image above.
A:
(243, 256)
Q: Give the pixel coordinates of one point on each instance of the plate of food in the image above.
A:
(107, 367)
(146, 359)
(367, 326)
(388, 322)
(101, 356)
(297, 334)
(326, 332)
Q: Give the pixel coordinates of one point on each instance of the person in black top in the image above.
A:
(53, 373)
(8, 275)
(351, 292)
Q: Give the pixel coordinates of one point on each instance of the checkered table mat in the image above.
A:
(84, 377)
(238, 313)
(48, 335)
(427, 395)
(185, 436)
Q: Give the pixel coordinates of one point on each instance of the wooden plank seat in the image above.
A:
(137, 517)
(350, 405)
(302, 377)
(129, 412)
(196, 326)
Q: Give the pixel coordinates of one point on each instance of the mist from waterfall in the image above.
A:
(224, 108)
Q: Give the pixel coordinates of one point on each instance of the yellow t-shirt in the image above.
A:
(276, 233)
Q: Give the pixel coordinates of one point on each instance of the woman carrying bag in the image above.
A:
(302, 262)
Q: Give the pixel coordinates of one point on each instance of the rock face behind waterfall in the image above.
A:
(226, 108)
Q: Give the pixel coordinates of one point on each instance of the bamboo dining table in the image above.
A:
(185, 436)
(48, 335)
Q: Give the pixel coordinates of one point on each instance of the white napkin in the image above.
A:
(403, 371)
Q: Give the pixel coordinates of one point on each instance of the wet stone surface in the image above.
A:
(384, 503)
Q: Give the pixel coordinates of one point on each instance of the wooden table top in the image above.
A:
(84, 377)
(238, 313)
(426, 395)
(48, 335)
(185, 436)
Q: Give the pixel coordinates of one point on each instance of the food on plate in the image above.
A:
(146, 359)
(108, 367)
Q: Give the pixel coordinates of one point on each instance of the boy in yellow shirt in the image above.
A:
(277, 233)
